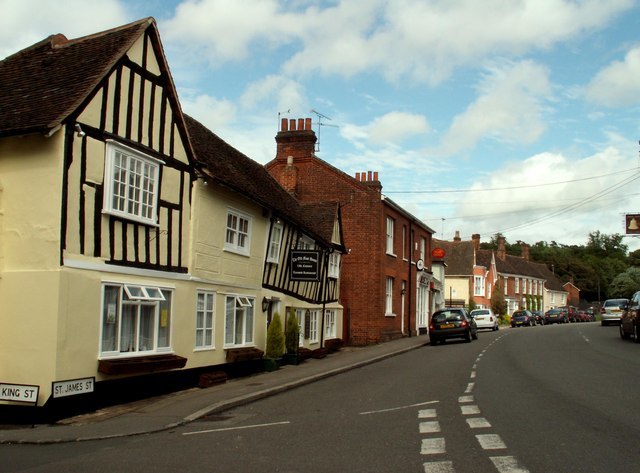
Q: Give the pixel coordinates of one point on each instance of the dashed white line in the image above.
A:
(434, 446)
(469, 388)
(508, 465)
(490, 442)
(473, 374)
(462, 399)
(429, 427)
(439, 467)
(469, 410)
(478, 423)
(427, 414)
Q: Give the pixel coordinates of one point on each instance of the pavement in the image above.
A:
(170, 411)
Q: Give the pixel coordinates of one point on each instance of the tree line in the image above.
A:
(602, 269)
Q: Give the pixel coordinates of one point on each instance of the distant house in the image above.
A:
(387, 287)
(137, 249)
(472, 274)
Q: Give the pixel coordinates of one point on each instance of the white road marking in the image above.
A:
(427, 414)
(508, 465)
(469, 388)
(478, 423)
(433, 446)
(429, 427)
(236, 428)
(469, 410)
(462, 399)
(473, 374)
(398, 408)
(439, 467)
(490, 441)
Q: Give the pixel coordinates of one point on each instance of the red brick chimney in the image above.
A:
(475, 238)
(457, 237)
(525, 251)
(295, 139)
(370, 178)
(502, 252)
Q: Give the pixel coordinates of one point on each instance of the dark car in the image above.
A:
(452, 323)
(539, 316)
(630, 319)
(523, 317)
(555, 316)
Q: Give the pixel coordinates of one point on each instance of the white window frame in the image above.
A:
(390, 230)
(517, 285)
(205, 320)
(329, 324)
(275, 242)
(478, 286)
(237, 238)
(115, 332)
(334, 265)
(123, 197)
(314, 318)
(305, 243)
(242, 310)
(388, 310)
(423, 248)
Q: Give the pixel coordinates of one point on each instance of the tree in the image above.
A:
(275, 338)
(625, 284)
(292, 334)
(498, 304)
(472, 305)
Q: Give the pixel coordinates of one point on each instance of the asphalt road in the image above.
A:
(533, 399)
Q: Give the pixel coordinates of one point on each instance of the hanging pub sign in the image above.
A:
(632, 224)
(305, 265)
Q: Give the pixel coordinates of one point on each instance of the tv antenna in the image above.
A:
(320, 125)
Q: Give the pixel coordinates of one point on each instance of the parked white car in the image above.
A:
(485, 318)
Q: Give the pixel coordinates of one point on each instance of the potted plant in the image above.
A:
(275, 344)
(292, 338)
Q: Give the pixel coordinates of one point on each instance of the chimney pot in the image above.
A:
(307, 124)
(292, 124)
(375, 176)
(301, 124)
(284, 126)
(357, 176)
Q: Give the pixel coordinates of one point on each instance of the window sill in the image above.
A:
(389, 315)
(142, 364)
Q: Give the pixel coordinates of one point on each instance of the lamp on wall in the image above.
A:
(265, 304)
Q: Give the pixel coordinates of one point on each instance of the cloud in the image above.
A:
(392, 127)
(617, 85)
(550, 197)
(210, 111)
(23, 22)
(509, 108)
(286, 93)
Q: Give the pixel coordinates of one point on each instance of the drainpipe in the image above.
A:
(410, 279)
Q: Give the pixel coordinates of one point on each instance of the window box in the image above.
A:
(142, 364)
(236, 355)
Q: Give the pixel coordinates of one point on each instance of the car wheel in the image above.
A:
(433, 341)
(474, 335)
(636, 333)
(623, 334)
(467, 337)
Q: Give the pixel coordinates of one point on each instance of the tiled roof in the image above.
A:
(45, 83)
(224, 164)
(459, 257)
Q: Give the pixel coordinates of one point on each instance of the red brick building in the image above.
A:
(386, 282)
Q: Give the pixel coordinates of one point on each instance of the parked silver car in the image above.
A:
(612, 310)
(485, 318)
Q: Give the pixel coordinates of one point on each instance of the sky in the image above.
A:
(518, 117)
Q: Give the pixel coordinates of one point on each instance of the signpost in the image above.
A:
(305, 265)
(72, 387)
(19, 392)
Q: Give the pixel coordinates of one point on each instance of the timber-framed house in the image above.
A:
(135, 245)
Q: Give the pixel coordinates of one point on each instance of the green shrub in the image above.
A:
(275, 338)
(292, 334)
